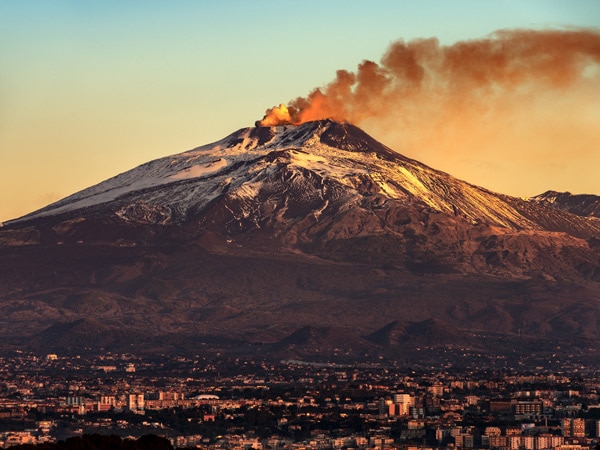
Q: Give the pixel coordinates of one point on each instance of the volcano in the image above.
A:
(244, 244)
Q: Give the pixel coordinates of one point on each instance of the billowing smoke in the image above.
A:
(519, 92)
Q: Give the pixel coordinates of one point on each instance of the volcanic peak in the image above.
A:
(224, 166)
(338, 135)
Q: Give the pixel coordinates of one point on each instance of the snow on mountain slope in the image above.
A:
(244, 164)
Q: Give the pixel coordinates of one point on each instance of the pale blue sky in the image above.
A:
(89, 89)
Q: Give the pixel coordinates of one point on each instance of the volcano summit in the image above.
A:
(312, 241)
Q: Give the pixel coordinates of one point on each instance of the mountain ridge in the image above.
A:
(579, 204)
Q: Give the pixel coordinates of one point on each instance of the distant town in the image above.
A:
(224, 402)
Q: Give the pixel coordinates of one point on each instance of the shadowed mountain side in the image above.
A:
(178, 299)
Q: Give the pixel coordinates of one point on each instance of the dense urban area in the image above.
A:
(224, 402)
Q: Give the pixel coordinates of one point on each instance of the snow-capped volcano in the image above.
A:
(328, 165)
(297, 235)
(242, 163)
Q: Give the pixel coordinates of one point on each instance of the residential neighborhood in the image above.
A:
(229, 403)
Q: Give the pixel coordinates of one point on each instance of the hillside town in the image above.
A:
(229, 403)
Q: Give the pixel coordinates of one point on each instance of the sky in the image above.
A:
(90, 88)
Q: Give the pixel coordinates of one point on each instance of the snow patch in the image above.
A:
(248, 190)
(198, 170)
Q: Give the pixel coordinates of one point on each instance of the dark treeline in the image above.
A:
(102, 442)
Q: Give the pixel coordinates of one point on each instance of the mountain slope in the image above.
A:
(272, 231)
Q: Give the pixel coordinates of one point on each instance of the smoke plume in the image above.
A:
(521, 93)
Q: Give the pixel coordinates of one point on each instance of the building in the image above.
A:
(574, 428)
(527, 409)
(135, 403)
